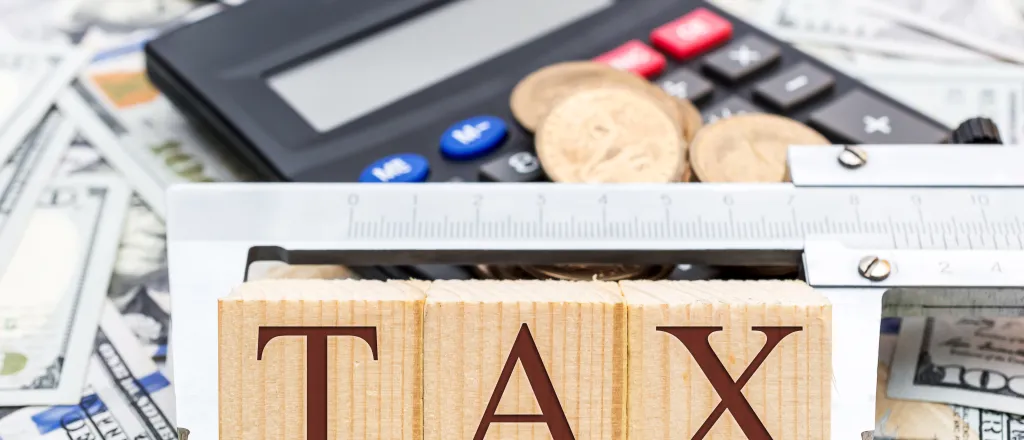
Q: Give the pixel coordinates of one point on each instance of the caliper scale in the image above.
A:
(861, 220)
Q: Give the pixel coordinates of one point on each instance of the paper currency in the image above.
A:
(52, 291)
(32, 75)
(23, 178)
(139, 132)
(139, 284)
(994, 27)
(975, 361)
(842, 22)
(953, 93)
(125, 397)
(907, 419)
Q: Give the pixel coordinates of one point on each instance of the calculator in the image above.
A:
(418, 90)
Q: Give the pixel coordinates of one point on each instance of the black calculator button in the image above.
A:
(863, 119)
(686, 84)
(517, 167)
(794, 86)
(732, 106)
(742, 58)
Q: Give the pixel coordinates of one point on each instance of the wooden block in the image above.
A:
(340, 360)
(548, 355)
(682, 334)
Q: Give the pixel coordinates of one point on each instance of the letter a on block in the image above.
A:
(525, 351)
(755, 361)
(524, 360)
(321, 360)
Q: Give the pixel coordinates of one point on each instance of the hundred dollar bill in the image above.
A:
(31, 76)
(125, 396)
(842, 23)
(24, 175)
(994, 27)
(911, 419)
(139, 283)
(51, 293)
(973, 361)
(139, 132)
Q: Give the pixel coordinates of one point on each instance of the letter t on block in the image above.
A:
(321, 360)
(524, 360)
(728, 360)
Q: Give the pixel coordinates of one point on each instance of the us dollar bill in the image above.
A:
(970, 361)
(52, 292)
(24, 176)
(124, 397)
(899, 419)
(139, 132)
(139, 286)
(31, 76)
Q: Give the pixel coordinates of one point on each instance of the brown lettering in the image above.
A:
(525, 350)
(697, 341)
(316, 366)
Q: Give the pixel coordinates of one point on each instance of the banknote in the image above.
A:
(53, 289)
(24, 176)
(911, 419)
(139, 132)
(975, 361)
(139, 283)
(953, 93)
(125, 396)
(994, 27)
(32, 75)
(843, 23)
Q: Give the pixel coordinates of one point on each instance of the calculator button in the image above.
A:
(692, 34)
(742, 58)
(794, 86)
(473, 137)
(406, 167)
(686, 84)
(863, 119)
(636, 57)
(732, 106)
(516, 167)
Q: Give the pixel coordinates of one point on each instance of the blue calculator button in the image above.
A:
(407, 167)
(473, 137)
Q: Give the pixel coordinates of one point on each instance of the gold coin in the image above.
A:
(748, 148)
(610, 136)
(577, 272)
(535, 96)
(692, 123)
(691, 119)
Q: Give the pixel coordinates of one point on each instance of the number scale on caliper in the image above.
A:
(682, 216)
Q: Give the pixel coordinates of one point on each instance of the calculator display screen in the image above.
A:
(359, 78)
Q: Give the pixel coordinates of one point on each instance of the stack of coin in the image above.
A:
(596, 124)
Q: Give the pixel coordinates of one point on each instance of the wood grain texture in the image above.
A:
(670, 395)
(367, 399)
(470, 327)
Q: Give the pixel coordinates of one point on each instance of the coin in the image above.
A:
(748, 148)
(578, 272)
(610, 136)
(691, 119)
(535, 96)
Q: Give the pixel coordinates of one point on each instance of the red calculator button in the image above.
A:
(636, 57)
(692, 34)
